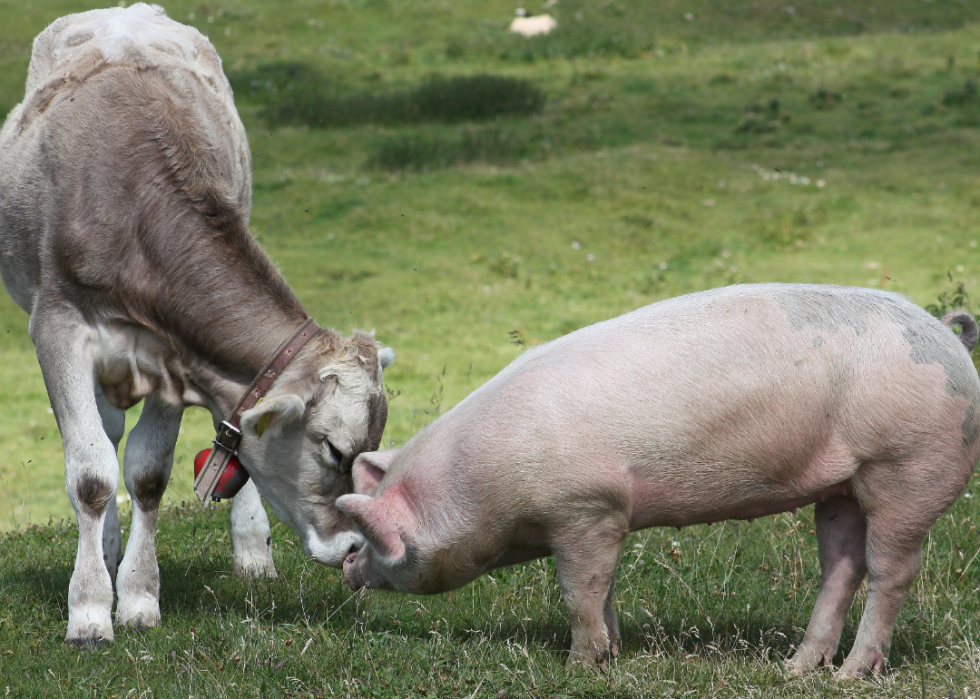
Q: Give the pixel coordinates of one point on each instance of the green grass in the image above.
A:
(706, 611)
(679, 145)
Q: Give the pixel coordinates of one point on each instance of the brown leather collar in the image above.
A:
(229, 434)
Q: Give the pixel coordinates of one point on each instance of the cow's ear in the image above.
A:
(369, 468)
(386, 355)
(375, 522)
(272, 414)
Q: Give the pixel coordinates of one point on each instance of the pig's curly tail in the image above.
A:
(969, 331)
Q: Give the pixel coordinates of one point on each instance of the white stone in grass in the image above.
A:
(537, 25)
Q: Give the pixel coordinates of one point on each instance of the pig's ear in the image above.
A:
(375, 522)
(369, 468)
(272, 414)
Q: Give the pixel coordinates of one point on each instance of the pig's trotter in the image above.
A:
(586, 564)
(840, 527)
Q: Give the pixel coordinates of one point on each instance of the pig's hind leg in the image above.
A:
(901, 502)
(840, 527)
(586, 561)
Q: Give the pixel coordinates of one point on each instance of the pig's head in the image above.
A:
(299, 442)
(390, 557)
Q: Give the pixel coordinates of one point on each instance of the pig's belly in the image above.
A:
(654, 508)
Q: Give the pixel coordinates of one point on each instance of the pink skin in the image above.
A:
(730, 404)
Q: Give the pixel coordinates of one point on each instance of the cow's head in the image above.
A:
(299, 442)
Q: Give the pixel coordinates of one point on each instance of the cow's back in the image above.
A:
(127, 120)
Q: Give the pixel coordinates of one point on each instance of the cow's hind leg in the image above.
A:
(146, 468)
(91, 466)
(840, 527)
(114, 424)
(251, 539)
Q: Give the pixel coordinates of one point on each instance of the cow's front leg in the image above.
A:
(62, 341)
(251, 540)
(146, 468)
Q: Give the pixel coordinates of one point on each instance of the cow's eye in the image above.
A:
(334, 454)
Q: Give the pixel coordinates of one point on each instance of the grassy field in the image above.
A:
(663, 149)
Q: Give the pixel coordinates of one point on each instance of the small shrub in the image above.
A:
(506, 265)
(953, 299)
(825, 98)
(963, 96)
(417, 151)
(476, 98)
(299, 94)
(757, 123)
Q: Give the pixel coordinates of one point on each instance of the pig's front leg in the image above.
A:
(840, 527)
(586, 558)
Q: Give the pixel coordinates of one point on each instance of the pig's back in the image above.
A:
(710, 397)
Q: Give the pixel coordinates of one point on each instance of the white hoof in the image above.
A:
(89, 628)
(141, 612)
(255, 567)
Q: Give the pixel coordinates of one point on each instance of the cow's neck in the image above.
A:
(223, 383)
(229, 320)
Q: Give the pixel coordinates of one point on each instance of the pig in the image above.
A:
(732, 403)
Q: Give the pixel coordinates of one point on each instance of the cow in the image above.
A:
(125, 187)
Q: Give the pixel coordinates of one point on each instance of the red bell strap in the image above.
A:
(229, 434)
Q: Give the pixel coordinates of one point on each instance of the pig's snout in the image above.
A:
(350, 573)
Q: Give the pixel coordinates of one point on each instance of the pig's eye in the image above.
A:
(332, 453)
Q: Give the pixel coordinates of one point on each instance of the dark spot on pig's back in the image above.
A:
(817, 342)
(970, 427)
(930, 342)
(824, 310)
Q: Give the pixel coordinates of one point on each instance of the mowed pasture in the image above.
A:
(467, 194)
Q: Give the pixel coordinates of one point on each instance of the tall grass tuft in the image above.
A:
(299, 94)
(476, 98)
(425, 151)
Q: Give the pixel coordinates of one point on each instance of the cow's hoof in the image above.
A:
(144, 613)
(91, 637)
(254, 568)
(87, 643)
(140, 620)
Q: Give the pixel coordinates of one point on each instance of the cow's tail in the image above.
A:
(968, 327)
